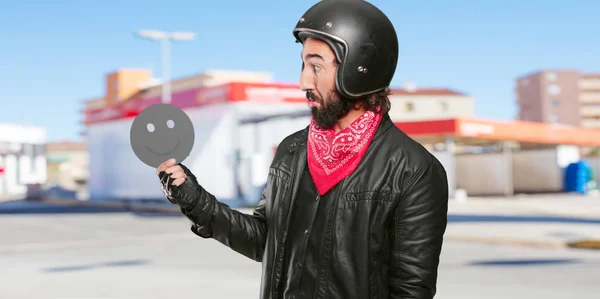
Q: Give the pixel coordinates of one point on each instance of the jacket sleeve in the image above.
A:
(417, 232)
(245, 234)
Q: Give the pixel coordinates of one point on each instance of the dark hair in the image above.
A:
(378, 102)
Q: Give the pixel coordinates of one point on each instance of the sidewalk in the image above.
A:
(548, 220)
(551, 221)
(565, 205)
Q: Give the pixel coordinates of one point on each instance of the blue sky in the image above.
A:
(54, 54)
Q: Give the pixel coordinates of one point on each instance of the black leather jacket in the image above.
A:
(388, 226)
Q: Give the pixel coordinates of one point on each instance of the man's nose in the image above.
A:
(306, 82)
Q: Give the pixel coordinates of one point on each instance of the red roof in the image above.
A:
(426, 92)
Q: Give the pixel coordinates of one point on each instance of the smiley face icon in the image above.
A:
(161, 132)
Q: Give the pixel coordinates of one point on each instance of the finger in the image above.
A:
(164, 179)
(164, 165)
(178, 174)
(174, 169)
(178, 181)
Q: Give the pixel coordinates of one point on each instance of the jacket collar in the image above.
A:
(386, 124)
(300, 139)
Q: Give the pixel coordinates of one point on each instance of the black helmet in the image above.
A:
(363, 39)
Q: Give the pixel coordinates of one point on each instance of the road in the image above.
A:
(89, 253)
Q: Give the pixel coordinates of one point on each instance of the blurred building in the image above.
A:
(411, 103)
(566, 97)
(22, 158)
(67, 164)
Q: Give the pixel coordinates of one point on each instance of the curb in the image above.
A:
(156, 208)
(585, 244)
(136, 207)
(509, 242)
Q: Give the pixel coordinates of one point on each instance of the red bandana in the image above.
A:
(333, 156)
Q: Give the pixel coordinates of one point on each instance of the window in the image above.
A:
(552, 118)
(29, 151)
(4, 147)
(40, 149)
(444, 106)
(554, 103)
(554, 89)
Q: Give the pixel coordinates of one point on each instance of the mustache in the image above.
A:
(311, 96)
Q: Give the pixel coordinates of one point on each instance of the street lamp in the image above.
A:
(165, 38)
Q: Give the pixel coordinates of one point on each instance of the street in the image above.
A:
(85, 253)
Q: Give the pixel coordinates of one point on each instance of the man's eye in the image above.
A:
(317, 68)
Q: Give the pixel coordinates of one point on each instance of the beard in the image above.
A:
(331, 110)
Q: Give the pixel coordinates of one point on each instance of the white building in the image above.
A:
(414, 104)
(22, 158)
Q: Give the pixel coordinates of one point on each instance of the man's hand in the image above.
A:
(175, 172)
(178, 184)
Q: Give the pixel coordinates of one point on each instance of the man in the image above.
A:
(353, 208)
